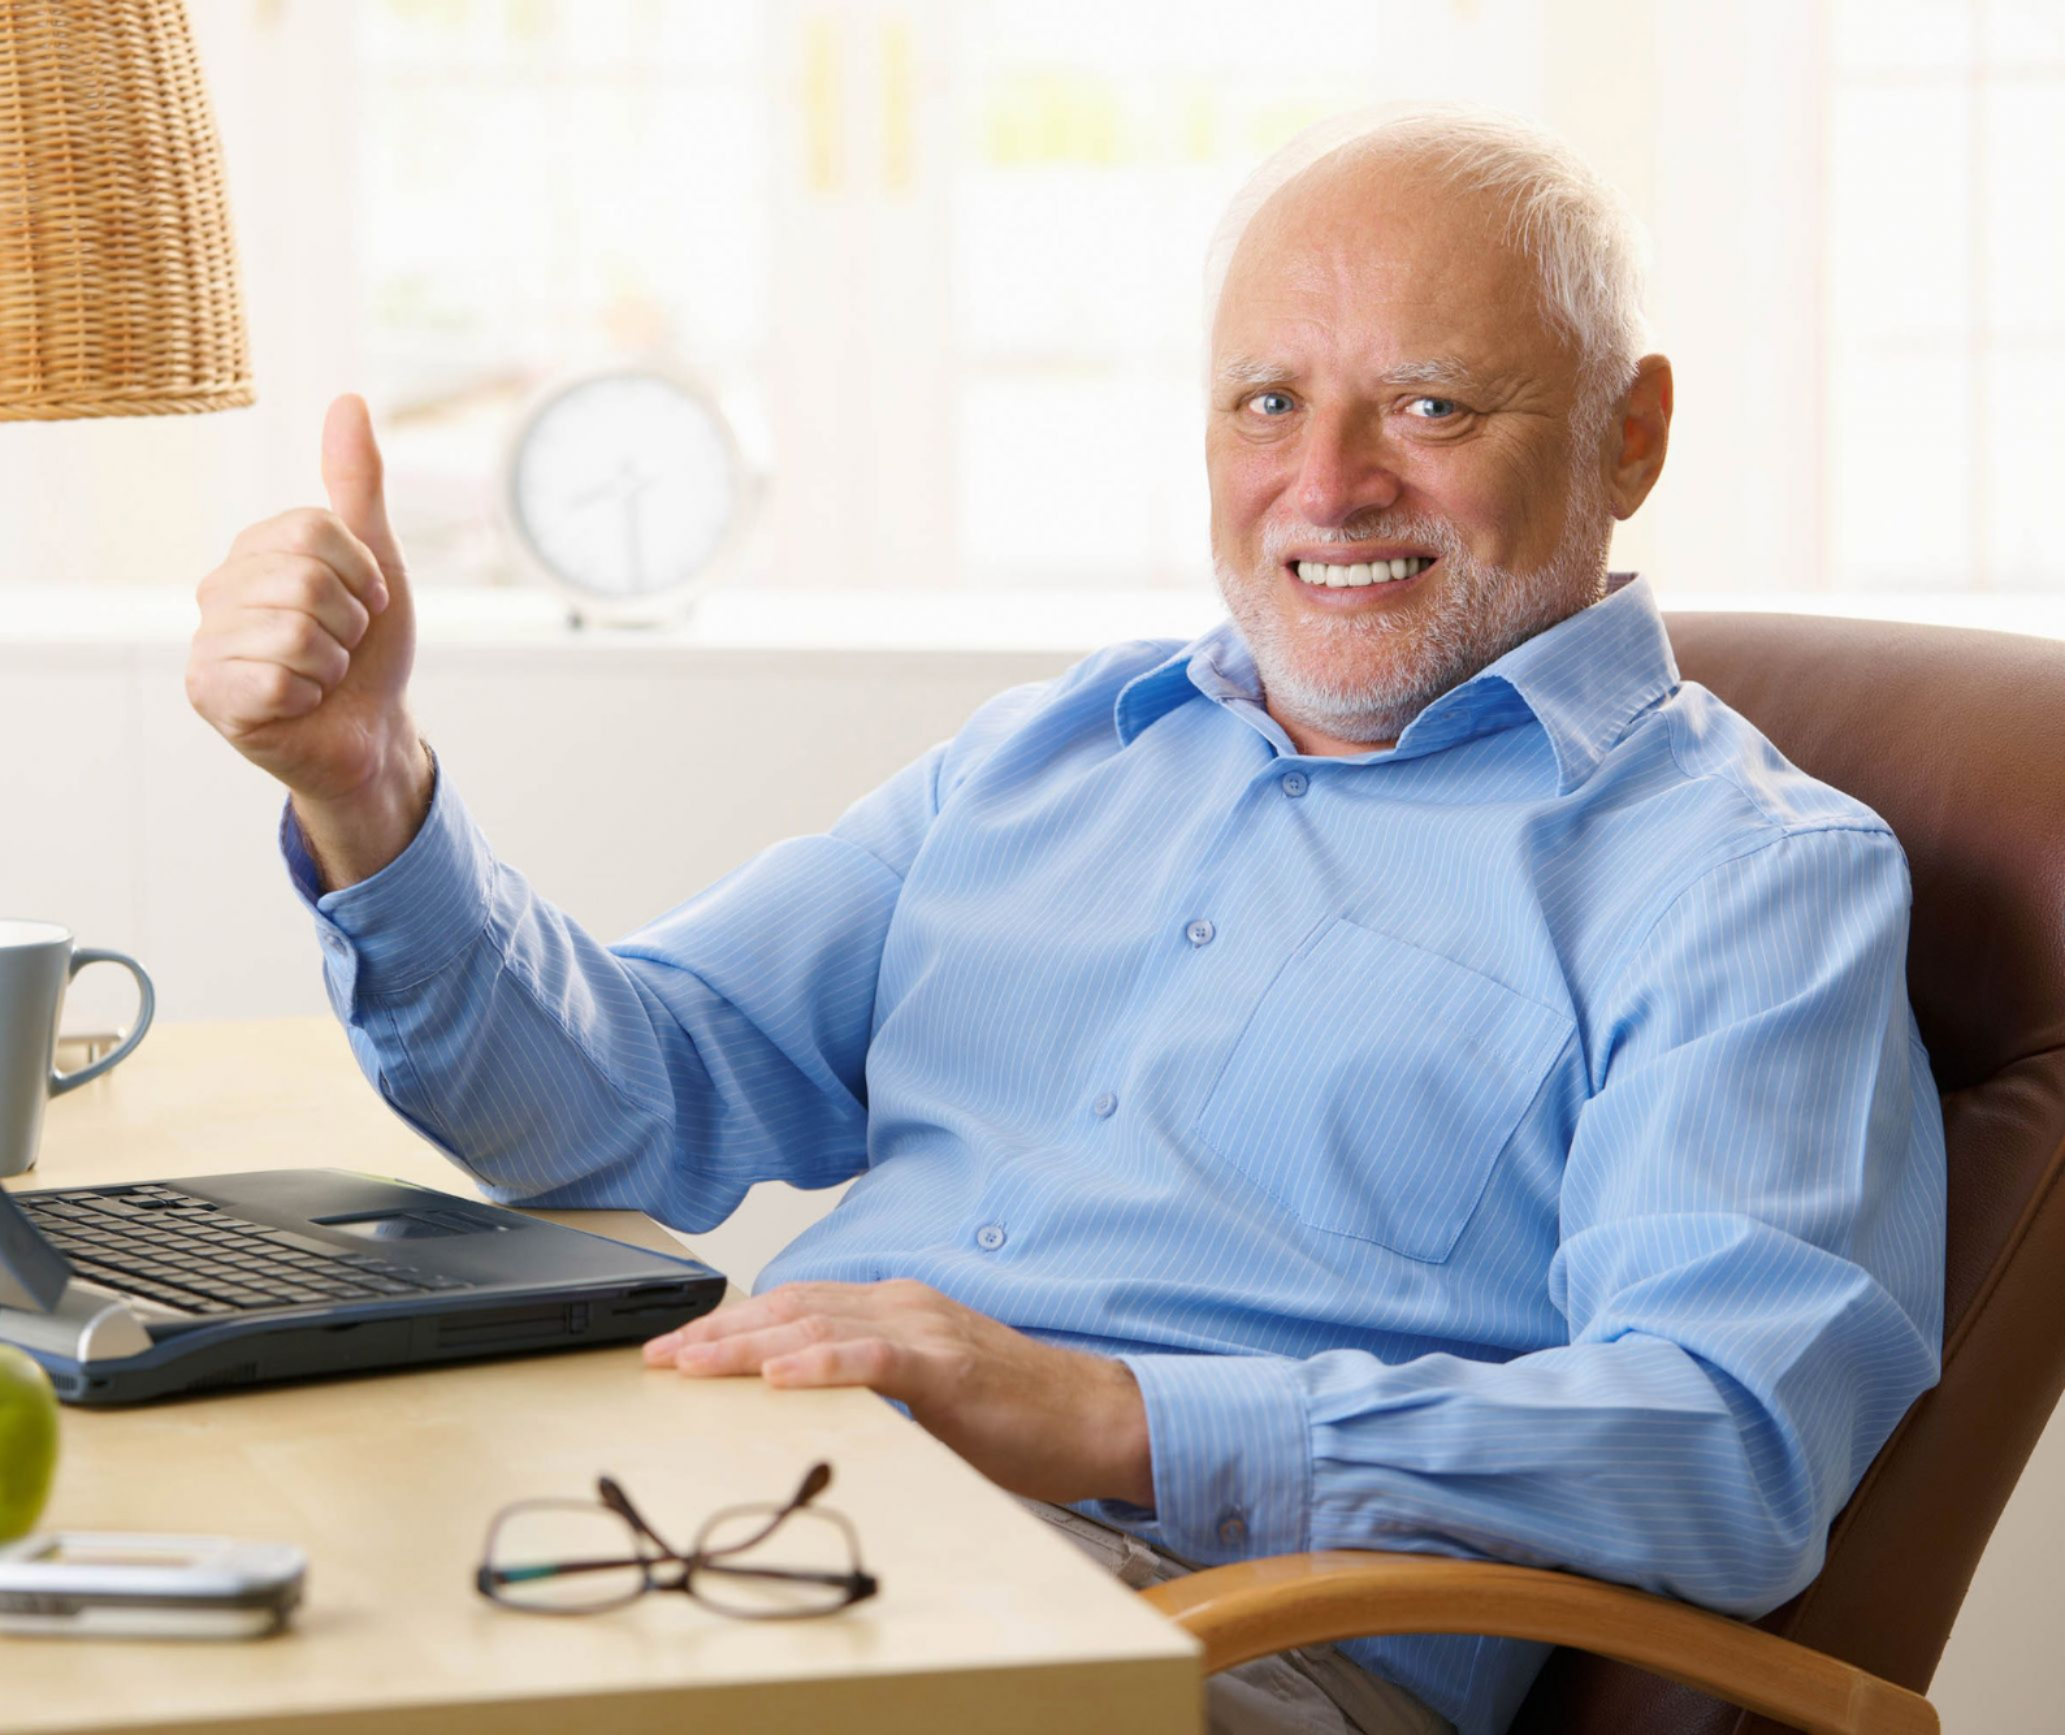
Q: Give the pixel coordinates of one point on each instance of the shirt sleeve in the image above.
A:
(1750, 1263)
(722, 1044)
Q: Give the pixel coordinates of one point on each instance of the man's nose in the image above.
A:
(1343, 468)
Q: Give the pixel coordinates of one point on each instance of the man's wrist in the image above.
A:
(353, 837)
(1132, 1467)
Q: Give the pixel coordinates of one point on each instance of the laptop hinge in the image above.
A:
(86, 1325)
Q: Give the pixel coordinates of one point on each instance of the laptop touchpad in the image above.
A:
(418, 1225)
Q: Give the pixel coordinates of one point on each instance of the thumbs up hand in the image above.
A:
(302, 658)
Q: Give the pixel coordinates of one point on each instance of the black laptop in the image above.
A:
(125, 1293)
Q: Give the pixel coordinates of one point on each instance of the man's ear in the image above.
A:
(1644, 426)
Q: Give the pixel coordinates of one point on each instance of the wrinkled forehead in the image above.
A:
(1381, 255)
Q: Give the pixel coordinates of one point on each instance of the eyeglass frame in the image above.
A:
(857, 1584)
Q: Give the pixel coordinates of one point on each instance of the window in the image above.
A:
(542, 182)
(949, 252)
(1946, 251)
(946, 255)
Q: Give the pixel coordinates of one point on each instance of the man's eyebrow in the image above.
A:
(1242, 370)
(1441, 370)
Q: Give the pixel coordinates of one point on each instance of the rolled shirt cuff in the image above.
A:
(410, 920)
(1232, 1456)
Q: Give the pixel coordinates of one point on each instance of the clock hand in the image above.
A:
(594, 496)
(634, 553)
(627, 480)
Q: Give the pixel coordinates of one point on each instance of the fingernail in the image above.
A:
(662, 1348)
(378, 602)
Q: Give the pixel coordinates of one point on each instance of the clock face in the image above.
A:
(626, 484)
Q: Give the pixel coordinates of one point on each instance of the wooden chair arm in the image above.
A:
(1258, 1607)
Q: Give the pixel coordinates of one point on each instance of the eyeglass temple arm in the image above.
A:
(815, 1481)
(800, 1575)
(619, 1502)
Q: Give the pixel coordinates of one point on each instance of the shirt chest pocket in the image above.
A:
(1375, 1086)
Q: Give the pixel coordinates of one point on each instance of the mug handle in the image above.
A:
(60, 1082)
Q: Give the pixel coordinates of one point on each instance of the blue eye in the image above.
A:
(1283, 398)
(1444, 408)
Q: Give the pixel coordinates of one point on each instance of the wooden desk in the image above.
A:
(987, 1620)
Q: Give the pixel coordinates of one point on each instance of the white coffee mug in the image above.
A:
(37, 963)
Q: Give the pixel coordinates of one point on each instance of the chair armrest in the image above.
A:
(1258, 1607)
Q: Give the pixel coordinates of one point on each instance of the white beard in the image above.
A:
(1405, 659)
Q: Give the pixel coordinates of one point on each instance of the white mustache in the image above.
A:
(1434, 533)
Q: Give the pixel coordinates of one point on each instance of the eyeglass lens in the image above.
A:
(567, 1555)
(761, 1569)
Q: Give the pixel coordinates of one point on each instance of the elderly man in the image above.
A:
(1404, 1071)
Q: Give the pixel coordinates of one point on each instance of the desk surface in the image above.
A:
(987, 1620)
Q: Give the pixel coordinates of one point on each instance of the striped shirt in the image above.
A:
(1514, 1144)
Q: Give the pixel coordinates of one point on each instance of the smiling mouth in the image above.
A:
(1336, 575)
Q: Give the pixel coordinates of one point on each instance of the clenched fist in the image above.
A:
(302, 660)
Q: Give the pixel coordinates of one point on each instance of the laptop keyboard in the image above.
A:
(188, 1253)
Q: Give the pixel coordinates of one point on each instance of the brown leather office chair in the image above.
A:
(1958, 740)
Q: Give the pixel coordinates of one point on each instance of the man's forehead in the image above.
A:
(1411, 271)
(1451, 343)
(1384, 195)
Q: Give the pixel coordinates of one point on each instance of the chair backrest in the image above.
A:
(1957, 739)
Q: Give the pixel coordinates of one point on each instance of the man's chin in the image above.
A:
(1374, 714)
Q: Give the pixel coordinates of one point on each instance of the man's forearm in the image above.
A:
(354, 838)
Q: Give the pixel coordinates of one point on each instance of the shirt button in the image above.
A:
(1200, 933)
(1233, 1530)
(1104, 1106)
(332, 942)
(1295, 783)
(989, 1237)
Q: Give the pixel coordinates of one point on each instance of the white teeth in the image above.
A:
(1337, 577)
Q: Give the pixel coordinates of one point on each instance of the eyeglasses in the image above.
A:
(761, 1562)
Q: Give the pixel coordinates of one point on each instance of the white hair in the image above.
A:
(1588, 249)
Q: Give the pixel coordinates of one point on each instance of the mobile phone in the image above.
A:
(105, 1584)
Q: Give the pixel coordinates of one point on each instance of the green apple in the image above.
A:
(28, 1441)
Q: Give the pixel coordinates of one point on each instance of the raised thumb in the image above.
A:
(354, 480)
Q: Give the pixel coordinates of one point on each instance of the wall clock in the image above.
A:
(625, 488)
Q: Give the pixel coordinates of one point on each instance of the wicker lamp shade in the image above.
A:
(118, 270)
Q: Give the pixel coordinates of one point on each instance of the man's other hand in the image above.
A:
(1053, 1424)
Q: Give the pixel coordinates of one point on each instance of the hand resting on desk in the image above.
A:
(1050, 1423)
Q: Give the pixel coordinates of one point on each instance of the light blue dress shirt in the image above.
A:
(1515, 1144)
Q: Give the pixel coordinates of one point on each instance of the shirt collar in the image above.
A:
(1583, 681)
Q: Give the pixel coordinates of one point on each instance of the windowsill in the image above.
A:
(941, 622)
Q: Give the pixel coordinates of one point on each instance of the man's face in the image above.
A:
(1384, 389)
